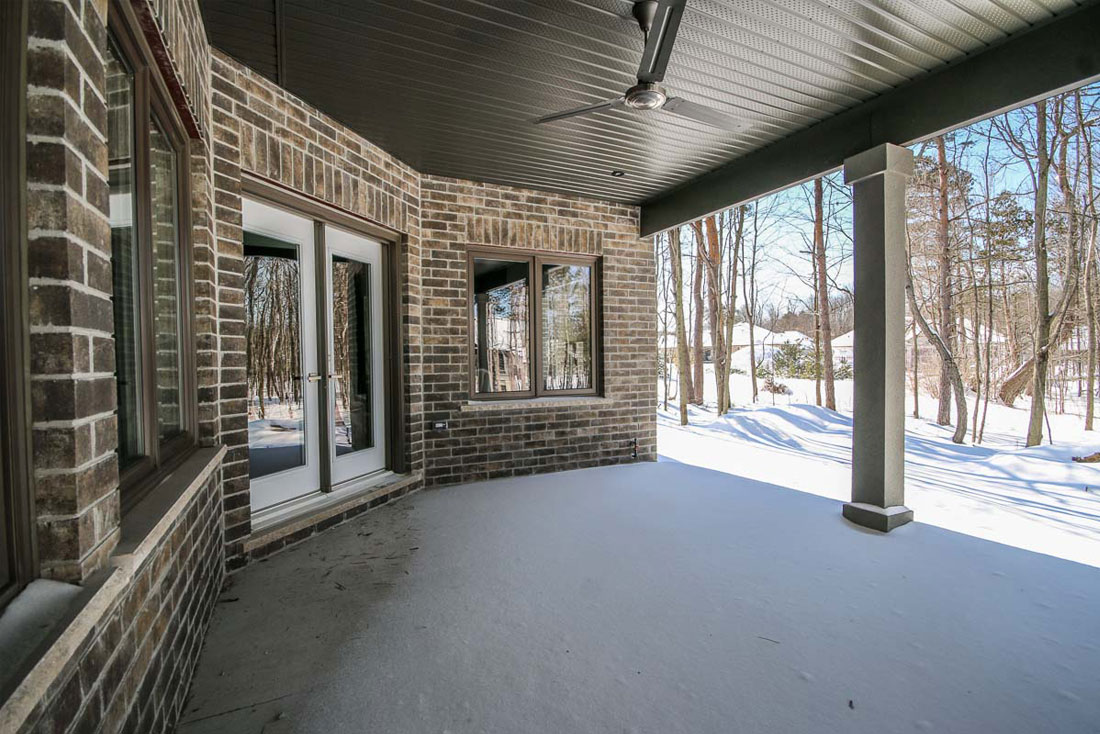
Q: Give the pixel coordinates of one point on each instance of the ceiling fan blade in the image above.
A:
(609, 104)
(706, 115)
(662, 36)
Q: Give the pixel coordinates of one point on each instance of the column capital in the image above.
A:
(885, 158)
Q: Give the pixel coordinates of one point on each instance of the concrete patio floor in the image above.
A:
(647, 598)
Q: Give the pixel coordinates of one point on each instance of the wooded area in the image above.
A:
(1001, 284)
(272, 298)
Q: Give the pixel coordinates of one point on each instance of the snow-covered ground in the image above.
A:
(1032, 498)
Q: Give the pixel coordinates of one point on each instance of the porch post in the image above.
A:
(878, 177)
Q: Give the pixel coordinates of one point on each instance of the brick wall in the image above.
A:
(131, 668)
(486, 441)
(144, 625)
(262, 129)
(69, 251)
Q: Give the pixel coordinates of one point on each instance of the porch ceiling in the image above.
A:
(451, 86)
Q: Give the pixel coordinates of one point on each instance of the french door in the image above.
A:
(314, 339)
(356, 414)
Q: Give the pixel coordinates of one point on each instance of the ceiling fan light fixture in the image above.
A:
(645, 96)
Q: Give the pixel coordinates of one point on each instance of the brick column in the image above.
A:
(69, 245)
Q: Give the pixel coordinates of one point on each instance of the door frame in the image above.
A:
(394, 246)
(328, 297)
(305, 478)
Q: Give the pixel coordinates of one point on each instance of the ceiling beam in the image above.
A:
(1059, 55)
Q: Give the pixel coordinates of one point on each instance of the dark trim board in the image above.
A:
(17, 546)
(1055, 57)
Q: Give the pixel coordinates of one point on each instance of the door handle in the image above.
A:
(314, 377)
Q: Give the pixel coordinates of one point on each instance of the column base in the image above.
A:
(883, 519)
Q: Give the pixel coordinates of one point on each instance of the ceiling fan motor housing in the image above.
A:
(645, 96)
(644, 12)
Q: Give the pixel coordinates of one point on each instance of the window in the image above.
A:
(533, 324)
(147, 181)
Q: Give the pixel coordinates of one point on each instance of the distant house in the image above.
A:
(844, 347)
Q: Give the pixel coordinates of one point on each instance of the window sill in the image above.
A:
(28, 622)
(565, 401)
(142, 530)
(146, 522)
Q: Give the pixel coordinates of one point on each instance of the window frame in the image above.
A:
(153, 100)
(535, 259)
(19, 552)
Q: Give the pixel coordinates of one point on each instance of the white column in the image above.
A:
(878, 177)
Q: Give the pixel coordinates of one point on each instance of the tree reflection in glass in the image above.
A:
(502, 333)
(276, 419)
(566, 327)
(351, 352)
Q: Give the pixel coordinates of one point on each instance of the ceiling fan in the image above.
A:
(659, 21)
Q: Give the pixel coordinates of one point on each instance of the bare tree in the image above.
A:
(697, 330)
(824, 314)
(946, 296)
(955, 380)
(749, 260)
(683, 368)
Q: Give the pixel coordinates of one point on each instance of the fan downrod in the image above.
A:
(645, 11)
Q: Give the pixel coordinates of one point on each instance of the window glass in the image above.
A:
(276, 408)
(166, 296)
(124, 262)
(351, 342)
(566, 327)
(502, 332)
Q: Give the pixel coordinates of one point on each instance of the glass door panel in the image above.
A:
(351, 355)
(282, 364)
(357, 420)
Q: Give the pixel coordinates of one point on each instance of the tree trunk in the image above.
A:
(706, 231)
(1090, 311)
(916, 382)
(1090, 273)
(731, 305)
(697, 329)
(817, 338)
(947, 310)
(954, 378)
(824, 310)
(1042, 286)
(1048, 321)
(683, 369)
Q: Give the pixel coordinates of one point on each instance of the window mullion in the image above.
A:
(535, 268)
(143, 115)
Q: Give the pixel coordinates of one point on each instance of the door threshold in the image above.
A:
(274, 523)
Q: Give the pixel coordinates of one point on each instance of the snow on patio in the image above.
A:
(659, 598)
(1034, 498)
